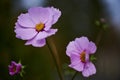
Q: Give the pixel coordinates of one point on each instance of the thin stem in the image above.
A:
(74, 75)
(100, 33)
(98, 39)
(55, 57)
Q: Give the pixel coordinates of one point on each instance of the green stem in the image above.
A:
(55, 57)
(99, 36)
(74, 75)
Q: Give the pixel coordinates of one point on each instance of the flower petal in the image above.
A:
(89, 69)
(25, 21)
(45, 34)
(14, 68)
(82, 43)
(13, 63)
(25, 34)
(39, 14)
(87, 57)
(36, 43)
(55, 14)
(78, 67)
(17, 25)
(18, 68)
(92, 47)
(71, 49)
(75, 59)
(76, 63)
(12, 73)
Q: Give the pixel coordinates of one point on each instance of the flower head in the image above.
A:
(35, 25)
(79, 52)
(14, 68)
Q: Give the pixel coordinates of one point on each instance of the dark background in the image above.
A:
(78, 19)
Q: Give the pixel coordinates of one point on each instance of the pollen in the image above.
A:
(82, 56)
(39, 27)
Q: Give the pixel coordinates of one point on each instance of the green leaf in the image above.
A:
(105, 26)
(92, 58)
(97, 23)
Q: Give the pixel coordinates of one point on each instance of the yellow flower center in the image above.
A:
(39, 27)
(82, 56)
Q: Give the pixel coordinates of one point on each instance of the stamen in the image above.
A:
(82, 56)
(39, 27)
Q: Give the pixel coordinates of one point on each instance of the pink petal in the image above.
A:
(25, 34)
(39, 14)
(17, 25)
(78, 67)
(87, 57)
(89, 69)
(75, 59)
(92, 47)
(48, 25)
(71, 49)
(45, 34)
(18, 68)
(82, 43)
(76, 63)
(52, 31)
(12, 73)
(36, 43)
(13, 63)
(25, 21)
(55, 14)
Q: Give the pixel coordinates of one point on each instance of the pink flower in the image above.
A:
(14, 68)
(35, 25)
(79, 52)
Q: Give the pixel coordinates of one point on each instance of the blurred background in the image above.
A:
(78, 19)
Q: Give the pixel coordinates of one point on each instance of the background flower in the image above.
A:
(14, 68)
(79, 51)
(35, 25)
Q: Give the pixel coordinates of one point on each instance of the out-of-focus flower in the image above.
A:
(79, 52)
(102, 20)
(102, 23)
(14, 68)
(35, 25)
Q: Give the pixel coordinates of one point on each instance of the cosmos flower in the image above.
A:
(35, 25)
(79, 52)
(14, 68)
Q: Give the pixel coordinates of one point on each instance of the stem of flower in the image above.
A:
(55, 57)
(100, 34)
(74, 75)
